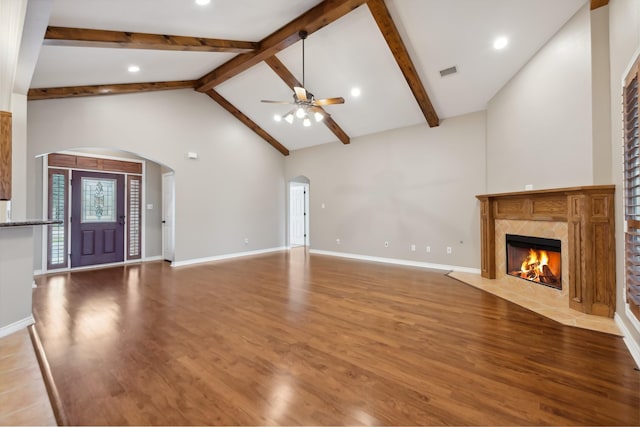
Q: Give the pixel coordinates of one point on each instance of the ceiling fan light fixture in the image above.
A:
(277, 118)
(289, 118)
(304, 103)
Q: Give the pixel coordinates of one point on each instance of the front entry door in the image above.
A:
(97, 218)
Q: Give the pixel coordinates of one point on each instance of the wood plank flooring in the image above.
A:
(23, 396)
(296, 339)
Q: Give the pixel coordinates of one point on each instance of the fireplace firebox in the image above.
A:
(535, 259)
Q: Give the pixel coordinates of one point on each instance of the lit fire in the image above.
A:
(535, 266)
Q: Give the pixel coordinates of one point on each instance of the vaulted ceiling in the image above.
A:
(239, 52)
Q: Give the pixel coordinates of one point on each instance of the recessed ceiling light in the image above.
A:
(500, 43)
(203, 2)
(355, 91)
(133, 68)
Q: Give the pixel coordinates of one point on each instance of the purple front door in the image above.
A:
(97, 218)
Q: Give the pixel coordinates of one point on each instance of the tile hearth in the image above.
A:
(548, 306)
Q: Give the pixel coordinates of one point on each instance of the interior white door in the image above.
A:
(168, 213)
(297, 213)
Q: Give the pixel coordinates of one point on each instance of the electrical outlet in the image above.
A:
(246, 240)
(428, 249)
(449, 250)
(413, 248)
(337, 241)
(386, 244)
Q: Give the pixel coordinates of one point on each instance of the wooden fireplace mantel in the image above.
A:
(589, 213)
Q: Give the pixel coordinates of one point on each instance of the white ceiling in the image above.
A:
(347, 53)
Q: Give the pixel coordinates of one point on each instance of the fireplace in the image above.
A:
(535, 259)
(589, 251)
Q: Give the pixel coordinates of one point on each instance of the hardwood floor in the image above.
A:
(297, 339)
(23, 396)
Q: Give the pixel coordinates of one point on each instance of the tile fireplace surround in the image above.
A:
(582, 218)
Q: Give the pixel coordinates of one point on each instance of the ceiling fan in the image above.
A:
(304, 101)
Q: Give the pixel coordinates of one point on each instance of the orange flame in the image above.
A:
(533, 265)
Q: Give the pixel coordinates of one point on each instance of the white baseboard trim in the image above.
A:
(16, 326)
(153, 258)
(632, 345)
(634, 320)
(395, 261)
(226, 256)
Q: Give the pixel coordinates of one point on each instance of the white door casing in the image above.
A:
(298, 214)
(168, 216)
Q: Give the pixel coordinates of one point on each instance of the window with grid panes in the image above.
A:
(57, 233)
(135, 217)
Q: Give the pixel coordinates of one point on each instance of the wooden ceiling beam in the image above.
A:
(80, 37)
(101, 90)
(595, 4)
(310, 21)
(247, 121)
(390, 32)
(287, 76)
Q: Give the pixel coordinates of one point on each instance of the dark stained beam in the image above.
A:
(62, 36)
(101, 90)
(247, 121)
(310, 21)
(390, 32)
(598, 3)
(283, 72)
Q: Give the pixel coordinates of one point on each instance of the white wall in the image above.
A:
(235, 189)
(624, 38)
(19, 157)
(539, 125)
(601, 102)
(153, 217)
(414, 185)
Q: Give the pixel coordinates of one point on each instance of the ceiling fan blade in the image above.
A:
(320, 110)
(301, 93)
(276, 102)
(329, 101)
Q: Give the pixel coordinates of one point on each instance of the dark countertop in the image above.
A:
(28, 222)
